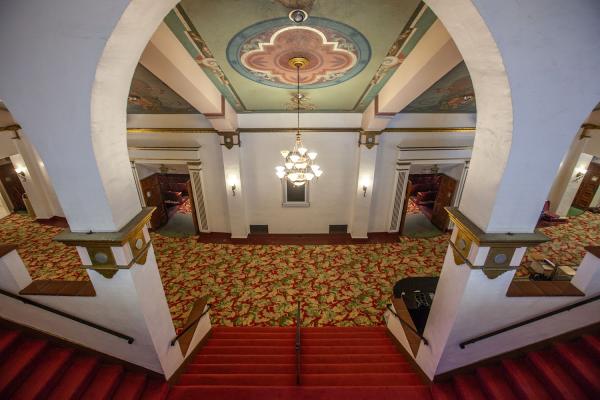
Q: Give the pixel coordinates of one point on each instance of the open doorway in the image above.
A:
(587, 195)
(168, 188)
(429, 190)
(12, 189)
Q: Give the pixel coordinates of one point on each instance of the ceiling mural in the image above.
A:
(453, 93)
(336, 52)
(149, 95)
(353, 46)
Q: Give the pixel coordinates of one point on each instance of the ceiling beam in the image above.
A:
(433, 57)
(166, 58)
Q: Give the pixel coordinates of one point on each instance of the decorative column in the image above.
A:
(129, 295)
(361, 209)
(231, 148)
(200, 205)
(36, 182)
(138, 185)
(399, 197)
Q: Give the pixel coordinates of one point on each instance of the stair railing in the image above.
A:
(298, 344)
(25, 300)
(529, 321)
(189, 325)
(407, 325)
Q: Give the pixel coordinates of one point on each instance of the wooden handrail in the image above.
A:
(528, 321)
(189, 325)
(298, 344)
(408, 325)
(25, 300)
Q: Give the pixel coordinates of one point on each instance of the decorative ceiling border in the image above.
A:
(288, 129)
(182, 27)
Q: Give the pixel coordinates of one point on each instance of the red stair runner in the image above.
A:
(260, 364)
(32, 368)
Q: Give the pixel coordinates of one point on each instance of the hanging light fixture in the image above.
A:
(299, 166)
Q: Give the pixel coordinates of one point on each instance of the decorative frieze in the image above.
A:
(493, 253)
(368, 138)
(230, 139)
(107, 252)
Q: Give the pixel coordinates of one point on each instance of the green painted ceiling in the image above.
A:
(218, 21)
(392, 29)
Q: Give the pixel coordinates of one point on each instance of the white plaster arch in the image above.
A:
(476, 43)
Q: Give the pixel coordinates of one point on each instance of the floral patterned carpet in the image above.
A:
(185, 207)
(339, 285)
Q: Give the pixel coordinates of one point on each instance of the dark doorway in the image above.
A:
(589, 186)
(12, 185)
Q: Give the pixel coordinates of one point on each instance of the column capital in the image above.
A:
(230, 139)
(107, 252)
(368, 138)
(494, 253)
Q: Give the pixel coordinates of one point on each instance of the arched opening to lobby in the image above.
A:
(241, 150)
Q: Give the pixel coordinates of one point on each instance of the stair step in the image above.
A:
(252, 335)
(593, 344)
(387, 349)
(244, 359)
(52, 363)
(344, 329)
(443, 391)
(155, 389)
(7, 339)
(238, 379)
(350, 358)
(307, 342)
(494, 383)
(131, 387)
(75, 379)
(585, 371)
(251, 342)
(241, 369)
(343, 336)
(524, 382)
(467, 387)
(252, 350)
(356, 368)
(361, 379)
(549, 368)
(296, 393)
(18, 363)
(104, 383)
(257, 329)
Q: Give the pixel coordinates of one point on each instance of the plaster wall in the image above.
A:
(330, 197)
(129, 303)
(484, 299)
(7, 148)
(573, 185)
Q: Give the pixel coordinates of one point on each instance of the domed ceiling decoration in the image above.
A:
(354, 47)
(336, 52)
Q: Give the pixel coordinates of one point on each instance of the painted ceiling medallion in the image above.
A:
(336, 52)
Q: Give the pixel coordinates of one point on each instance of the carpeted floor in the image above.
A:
(259, 284)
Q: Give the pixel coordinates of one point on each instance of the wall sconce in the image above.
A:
(21, 173)
(365, 186)
(580, 173)
(233, 187)
(232, 183)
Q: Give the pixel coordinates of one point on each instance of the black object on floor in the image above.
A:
(417, 293)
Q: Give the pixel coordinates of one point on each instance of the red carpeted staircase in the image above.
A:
(260, 363)
(254, 363)
(568, 370)
(35, 368)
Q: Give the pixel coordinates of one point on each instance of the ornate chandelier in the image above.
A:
(299, 166)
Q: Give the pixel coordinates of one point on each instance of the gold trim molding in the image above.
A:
(502, 246)
(445, 129)
(368, 139)
(171, 130)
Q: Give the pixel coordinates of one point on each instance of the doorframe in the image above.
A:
(408, 156)
(188, 156)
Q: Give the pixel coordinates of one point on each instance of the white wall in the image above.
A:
(330, 196)
(387, 155)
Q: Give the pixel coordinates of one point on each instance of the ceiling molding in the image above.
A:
(256, 130)
(171, 130)
(432, 129)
